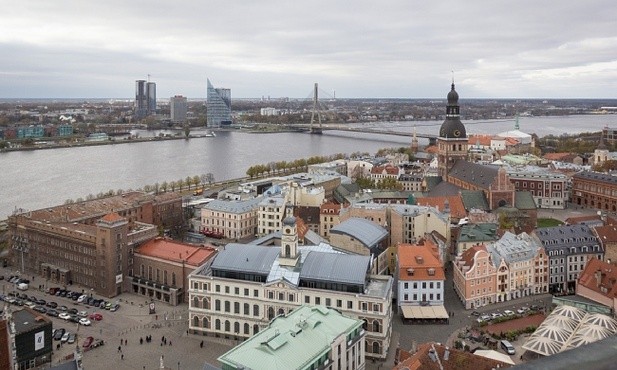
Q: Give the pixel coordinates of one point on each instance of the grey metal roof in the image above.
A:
(366, 231)
(344, 268)
(473, 173)
(443, 189)
(524, 200)
(596, 176)
(25, 320)
(474, 199)
(246, 257)
(480, 232)
(513, 248)
(234, 206)
(414, 210)
(566, 237)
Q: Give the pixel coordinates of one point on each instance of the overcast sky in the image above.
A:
(399, 49)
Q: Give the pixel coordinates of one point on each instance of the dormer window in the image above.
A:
(431, 272)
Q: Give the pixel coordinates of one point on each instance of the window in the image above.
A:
(307, 299)
(226, 289)
(237, 291)
(255, 310)
(227, 306)
(350, 305)
(376, 326)
(246, 292)
(255, 293)
(424, 285)
(217, 305)
(328, 302)
(217, 288)
(317, 301)
(339, 303)
(291, 297)
(247, 309)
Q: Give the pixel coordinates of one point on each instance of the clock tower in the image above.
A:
(452, 141)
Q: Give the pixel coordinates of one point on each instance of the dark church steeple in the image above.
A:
(452, 141)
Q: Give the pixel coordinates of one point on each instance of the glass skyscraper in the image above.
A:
(145, 99)
(218, 106)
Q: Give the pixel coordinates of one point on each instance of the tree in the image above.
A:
(365, 182)
(210, 178)
(196, 180)
(188, 181)
(164, 186)
(187, 131)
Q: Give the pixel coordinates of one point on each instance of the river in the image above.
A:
(42, 178)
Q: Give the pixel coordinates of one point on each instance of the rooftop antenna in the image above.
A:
(452, 76)
(148, 77)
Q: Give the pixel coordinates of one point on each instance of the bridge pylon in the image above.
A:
(316, 111)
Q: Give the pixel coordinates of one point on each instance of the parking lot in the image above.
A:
(130, 323)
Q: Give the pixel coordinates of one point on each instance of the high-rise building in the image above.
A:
(218, 106)
(179, 106)
(151, 96)
(141, 101)
(145, 99)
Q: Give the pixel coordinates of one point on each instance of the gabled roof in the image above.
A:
(474, 199)
(443, 189)
(479, 175)
(420, 258)
(469, 255)
(365, 231)
(601, 277)
(524, 200)
(454, 203)
(249, 258)
(456, 359)
(332, 267)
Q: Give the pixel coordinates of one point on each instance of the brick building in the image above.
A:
(88, 243)
(594, 190)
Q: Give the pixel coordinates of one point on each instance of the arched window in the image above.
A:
(247, 309)
(255, 310)
(236, 327)
(217, 305)
(227, 325)
(376, 326)
(364, 324)
(217, 324)
(287, 250)
(281, 311)
(255, 329)
(376, 348)
(205, 323)
(206, 303)
(270, 313)
(227, 306)
(195, 321)
(196, 302)
(247, 328)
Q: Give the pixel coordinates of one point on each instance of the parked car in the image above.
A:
(534, 307)
(97, 343)
(520, 311)
(40, 309)
(58, 334)
(96, 316)
(73, 311)
(64, 316)
(88, 342)
(81, 298)
(65, 337)
(508, 313)
(74, 318)
(115, 307)
(53, 313)
(72, 338)
(84, 321)
(52, 304)
(82, 314)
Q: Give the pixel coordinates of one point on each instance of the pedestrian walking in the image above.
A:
(122, 356)
(119, 348)
(170, 343)
(141, 340)
(201, 345)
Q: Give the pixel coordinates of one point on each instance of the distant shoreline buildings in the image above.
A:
(218, 106)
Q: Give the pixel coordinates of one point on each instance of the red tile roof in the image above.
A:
(173, 251)
(389, 169)
(607, 234)
(557, 156)
(112, 217)
(484, 140)
(457, 360)
(420, 258)
(601, 277)
(469, 255)
(457, 209)
(330, 208)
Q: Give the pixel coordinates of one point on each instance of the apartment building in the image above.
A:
(270, 214)
(329, 216)
(421, 276)
(234, 219)
(569, 247)
(548, 189)
(475, 277)
(594, 190)
(247, 286)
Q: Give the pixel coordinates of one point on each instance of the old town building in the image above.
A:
(247, 286)
(594, 190)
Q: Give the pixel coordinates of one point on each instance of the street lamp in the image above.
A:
(178, 365)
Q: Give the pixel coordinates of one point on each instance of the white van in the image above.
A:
(22, 286)
(507, 347)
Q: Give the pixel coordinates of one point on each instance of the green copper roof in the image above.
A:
(296, 341)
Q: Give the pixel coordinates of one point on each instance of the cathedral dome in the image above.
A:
(452, 96)
(452, 127)
(289, 221)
